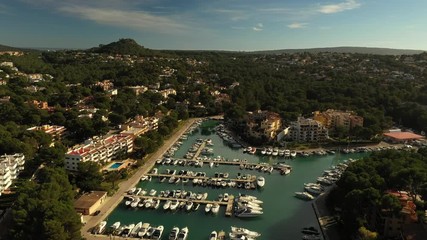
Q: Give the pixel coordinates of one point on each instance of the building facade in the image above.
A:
(263, 125)
(166, 92)
(10, 166)
(88, 203)
(99, 150)
(392, 225)
(140, 125)
(307, 130)
(57, 132)
(333, 119)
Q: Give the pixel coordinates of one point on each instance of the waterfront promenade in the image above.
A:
(111, 202)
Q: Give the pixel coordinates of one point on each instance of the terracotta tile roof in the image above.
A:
(403, 135)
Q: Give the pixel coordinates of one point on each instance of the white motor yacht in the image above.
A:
(135, 230)
(167, 204)
(188, 205)
(174, 205)
(115, 226)
(152, 192)
(143, 230)
(208, 207)
(260, 181)
(247, 212)
(132, 190)
(157, 234)
(213, 235)
(244, 231)
(126, 230)
(183, 234)
(173, 235)
(304, 195)
(101, 227)
(215, 208)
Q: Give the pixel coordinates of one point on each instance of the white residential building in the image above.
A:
(307, 130)
(10, 166)
(99, 150)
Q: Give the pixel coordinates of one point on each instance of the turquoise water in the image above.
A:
(115, 165)
(284, 215)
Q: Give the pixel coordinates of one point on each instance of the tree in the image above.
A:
(45, 210)
(113, 177)
(366, 234)
(89, 176)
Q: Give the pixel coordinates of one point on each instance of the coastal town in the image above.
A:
(129, 132)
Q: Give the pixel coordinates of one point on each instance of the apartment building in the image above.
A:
(307, 130)
(332, 119)
(10, 166)
(140, 125)
(263, 125)
(166, 92)
(391, 224)
(138, 89)
(57, 132)
(99, 150)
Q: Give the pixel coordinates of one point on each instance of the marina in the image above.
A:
(281, 213)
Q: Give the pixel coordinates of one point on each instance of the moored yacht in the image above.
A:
(245, 232)
(167, 204)
(247, 212)
(174, 205)
(304, 195)
(215, 208)
(174, 233)
(126, 230)
(314, 190)
(188, 205)
(213, 235)
(100, 228)
(260, 181)
(143, 230)
(208, 207)
(135, 230)
(157, 234)
(115, 226)
(183, 234)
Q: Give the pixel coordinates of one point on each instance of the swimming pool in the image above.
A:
(115, 165)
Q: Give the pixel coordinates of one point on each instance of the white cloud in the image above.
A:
(125, 18)
(297, 25)
(275, 10)
(339, 7)
(258, 27)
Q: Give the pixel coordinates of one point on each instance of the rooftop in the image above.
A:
(403, 135)
(87, 200)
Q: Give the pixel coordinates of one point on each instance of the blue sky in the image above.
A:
(215, 24)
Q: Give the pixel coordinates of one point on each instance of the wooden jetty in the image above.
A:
(199, 150)
(224, 162)
(251, 179)
(229, 208)
(228, 204)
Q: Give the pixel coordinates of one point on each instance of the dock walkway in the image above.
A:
(199, 150)
(228, 204)
(251, 179)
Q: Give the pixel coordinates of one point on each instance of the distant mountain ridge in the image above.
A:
(9, 48)
(361, 50)
(129, 46)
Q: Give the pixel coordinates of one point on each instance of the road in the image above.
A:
(111, 202)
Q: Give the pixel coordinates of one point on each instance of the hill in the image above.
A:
(9, 48)
(362, 50)
(123, 46)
